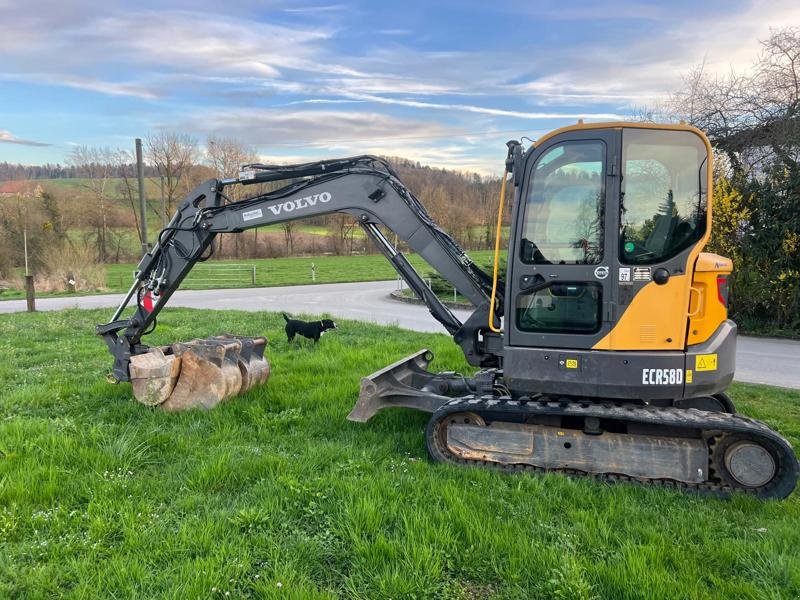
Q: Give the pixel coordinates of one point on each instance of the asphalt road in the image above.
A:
(758, 360)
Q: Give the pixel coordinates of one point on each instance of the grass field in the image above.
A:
(275, 494)
(296, 270)
(293, 270)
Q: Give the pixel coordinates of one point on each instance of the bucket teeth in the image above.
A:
(200, 373)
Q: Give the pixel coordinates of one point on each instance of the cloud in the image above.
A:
(111, 88)
(316, 9)
(650, 67)
(266, 128)
(496, 112)
(8, 138)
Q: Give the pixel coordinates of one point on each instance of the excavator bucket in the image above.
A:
(200, 373)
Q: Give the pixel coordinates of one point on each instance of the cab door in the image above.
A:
(560, 291)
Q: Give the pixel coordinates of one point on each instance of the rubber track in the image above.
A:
(712, 424)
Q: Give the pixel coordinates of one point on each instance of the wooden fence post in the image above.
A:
(29, 293)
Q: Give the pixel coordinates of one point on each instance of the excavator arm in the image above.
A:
(364, 187)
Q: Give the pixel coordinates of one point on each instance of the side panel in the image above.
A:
(594, 374)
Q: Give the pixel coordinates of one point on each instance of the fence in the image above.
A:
(220, 275)
(401, 286)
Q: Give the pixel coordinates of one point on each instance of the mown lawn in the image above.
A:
(293, 270)
(275, 494)
(296, 270)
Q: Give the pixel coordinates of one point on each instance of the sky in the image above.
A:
(445, 83)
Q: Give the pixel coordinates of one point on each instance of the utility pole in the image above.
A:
(142, 208)
(163, 206)
(30, 294)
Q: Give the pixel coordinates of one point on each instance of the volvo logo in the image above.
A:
(299, 203)
(601, 272)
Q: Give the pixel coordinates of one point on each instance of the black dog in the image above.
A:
(311, 330)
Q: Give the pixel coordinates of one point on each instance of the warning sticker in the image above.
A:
(252, 214)
(641, 274)
(705, 362)
(572, 363)
(625, 274)
(688, 376)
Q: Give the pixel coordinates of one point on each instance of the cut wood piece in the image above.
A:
(153, 376)
(202, 383)
(200, 373)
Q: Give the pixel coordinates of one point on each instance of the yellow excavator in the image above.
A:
(605, 352)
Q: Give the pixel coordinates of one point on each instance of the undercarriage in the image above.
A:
(476, 422)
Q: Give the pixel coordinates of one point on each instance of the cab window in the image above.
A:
(563, 219)
(663, 201)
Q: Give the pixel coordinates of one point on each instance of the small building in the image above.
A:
(20, 189)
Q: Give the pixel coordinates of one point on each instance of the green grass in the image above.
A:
(293, 270)
(296, 270)
(275, 494)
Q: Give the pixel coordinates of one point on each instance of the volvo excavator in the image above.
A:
(605, 352)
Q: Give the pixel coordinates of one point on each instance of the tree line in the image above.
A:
(11, 171)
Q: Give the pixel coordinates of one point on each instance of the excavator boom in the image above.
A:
(364, 187)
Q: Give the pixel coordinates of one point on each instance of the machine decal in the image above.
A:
(625, 274)
(601, 272)
(662, 376)
(705, 362)
(641, 274)
(688, 376)
(252, 214)
(572, 363)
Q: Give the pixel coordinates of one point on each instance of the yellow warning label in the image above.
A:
(572, 363)
(688, 376)
(705, 362)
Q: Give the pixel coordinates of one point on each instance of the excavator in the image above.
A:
(605, 352)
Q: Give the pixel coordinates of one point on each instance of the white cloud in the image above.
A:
(266, 128)
(316, 9)
(651, 67)
(8, 138)
(496, 112)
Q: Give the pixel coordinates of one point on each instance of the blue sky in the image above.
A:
(446, 83)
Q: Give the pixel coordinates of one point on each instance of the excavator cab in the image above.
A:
(602, 294)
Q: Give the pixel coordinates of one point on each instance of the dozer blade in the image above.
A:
(200, 373)
(404, 383)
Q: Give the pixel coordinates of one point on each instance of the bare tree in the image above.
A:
(173, 155)
(753, 117)
(225, 156)
(343, 229)
(98, 164)
(128, 185)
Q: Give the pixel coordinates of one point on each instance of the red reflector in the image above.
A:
(147, 301)
(722, 289)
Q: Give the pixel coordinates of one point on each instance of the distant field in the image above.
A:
(297, 270)
(275, 495)
(288, 271)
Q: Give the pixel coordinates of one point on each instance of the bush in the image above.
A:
(60, 262)
(757, 225)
